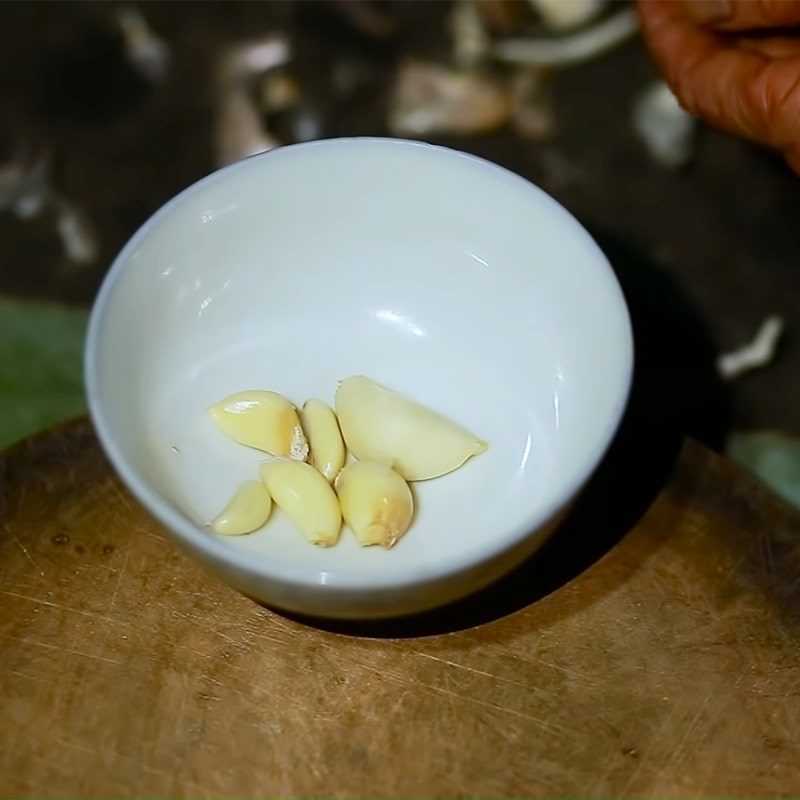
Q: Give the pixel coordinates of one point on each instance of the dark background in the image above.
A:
(713, 248)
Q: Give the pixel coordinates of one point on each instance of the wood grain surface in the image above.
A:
(670, 667)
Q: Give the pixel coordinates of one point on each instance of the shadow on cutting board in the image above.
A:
(676, 392)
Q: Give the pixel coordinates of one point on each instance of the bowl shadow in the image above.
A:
(676, 392)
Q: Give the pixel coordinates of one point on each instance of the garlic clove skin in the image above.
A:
(306, 497)
(324, 438)
(379, 424)
(264, 420)
(247, 510)
(376, 502)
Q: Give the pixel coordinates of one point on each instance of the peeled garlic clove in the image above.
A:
(264, 420)
(248, 510)
(306, 497)
(376, 502)
(322, 430)
(381, 425)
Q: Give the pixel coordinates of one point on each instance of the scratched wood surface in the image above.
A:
(671, 667)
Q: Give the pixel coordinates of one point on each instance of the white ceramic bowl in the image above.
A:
(447, 278)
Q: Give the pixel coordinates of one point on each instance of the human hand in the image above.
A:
(729, 62)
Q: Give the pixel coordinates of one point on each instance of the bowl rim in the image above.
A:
(294, 577)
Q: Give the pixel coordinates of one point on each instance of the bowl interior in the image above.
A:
(437, 274)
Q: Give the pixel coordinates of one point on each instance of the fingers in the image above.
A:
(740, 90)
(739, 15)
(771, 46)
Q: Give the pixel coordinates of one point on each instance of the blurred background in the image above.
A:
(110, 109)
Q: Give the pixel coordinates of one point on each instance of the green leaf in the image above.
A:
(41, 373)
(775, 458)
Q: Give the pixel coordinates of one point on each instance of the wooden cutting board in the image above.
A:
(670, 667)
